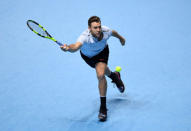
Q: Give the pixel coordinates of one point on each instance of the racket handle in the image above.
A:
(59, 43)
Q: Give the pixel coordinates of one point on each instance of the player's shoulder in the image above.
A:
(105, 28)
(84, 36)
(85, 33)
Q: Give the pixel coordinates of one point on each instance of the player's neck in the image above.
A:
(100, 37)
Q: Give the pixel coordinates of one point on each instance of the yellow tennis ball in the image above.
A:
(118, 68)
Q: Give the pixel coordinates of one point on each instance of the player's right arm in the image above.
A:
(71, 47)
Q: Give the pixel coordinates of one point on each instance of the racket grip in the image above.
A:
(59, 43)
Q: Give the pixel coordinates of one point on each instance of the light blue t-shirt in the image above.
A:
(90, 45)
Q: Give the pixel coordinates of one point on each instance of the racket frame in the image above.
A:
(48, 35)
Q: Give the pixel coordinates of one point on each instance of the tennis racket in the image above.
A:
(41, 31)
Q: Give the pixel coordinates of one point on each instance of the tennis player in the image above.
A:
(95, 52)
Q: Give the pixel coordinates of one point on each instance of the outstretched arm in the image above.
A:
(71, 47)
(117, 35)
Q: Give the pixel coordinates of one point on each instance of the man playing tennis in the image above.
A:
(95, 52)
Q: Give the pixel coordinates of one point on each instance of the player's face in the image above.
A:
(95, 29)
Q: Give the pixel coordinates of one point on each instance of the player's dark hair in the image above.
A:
(93, 19)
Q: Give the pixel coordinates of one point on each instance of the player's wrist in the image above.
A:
(67, 47)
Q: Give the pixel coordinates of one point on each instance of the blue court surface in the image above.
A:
(45, 89)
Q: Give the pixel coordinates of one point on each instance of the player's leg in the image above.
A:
(116, 78)
(102, 85)
(100, 71)
(107, 71)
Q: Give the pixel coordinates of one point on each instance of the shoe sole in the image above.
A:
(102, 118)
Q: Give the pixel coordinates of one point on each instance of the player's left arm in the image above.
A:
(117, 35)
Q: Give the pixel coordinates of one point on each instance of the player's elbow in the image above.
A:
(114, 33)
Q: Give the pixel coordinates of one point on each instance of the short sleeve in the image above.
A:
(81, 39)
(107, 30)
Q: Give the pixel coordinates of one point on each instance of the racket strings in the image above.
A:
(37, 29)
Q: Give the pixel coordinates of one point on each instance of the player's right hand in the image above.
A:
(64, 47)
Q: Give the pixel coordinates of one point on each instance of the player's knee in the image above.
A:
(100, 76)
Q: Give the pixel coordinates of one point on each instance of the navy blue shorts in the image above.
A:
(101, 57)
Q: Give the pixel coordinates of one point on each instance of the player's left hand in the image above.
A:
(122, 40)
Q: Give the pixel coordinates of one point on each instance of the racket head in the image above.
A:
(38, 29)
